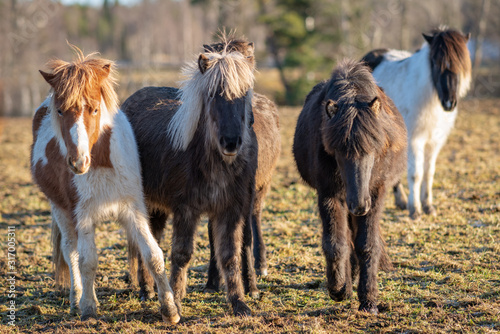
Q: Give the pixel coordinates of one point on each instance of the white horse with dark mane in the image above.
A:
(425, 86)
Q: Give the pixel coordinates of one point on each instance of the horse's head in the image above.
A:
(229, 104)
(353, 130)
(450, 65)
(219, 85)
(81, 92)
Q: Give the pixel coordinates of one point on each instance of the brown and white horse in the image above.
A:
(84, 159)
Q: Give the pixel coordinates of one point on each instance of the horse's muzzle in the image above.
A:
(79, 165)
(230, 146)
(449, 105)
(359, 209)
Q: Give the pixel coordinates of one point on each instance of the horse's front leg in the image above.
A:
(415, 175)
(88, 267)
(369, 245)
(184, 227)
(336, 247)
(68, 246)
(227, 227)
(401, 201)
(134, 218)
(431, 154)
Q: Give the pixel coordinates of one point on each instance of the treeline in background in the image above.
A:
(298, 42)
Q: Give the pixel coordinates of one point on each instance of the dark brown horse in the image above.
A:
(266, 127)
(350, 145)
(199, 156)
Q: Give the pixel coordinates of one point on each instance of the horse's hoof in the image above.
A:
(261, 272)
(430, 210)
(241, 309)
(402, 205)
(415, 215)
(88, 315)
(145, 295)
(74, 310)
(170, 316)
(368, 307)
(254, 294)
(211, 288)
(171, 320)
(339, 295)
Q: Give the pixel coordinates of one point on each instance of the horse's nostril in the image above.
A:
(240, 141)
(221, 141)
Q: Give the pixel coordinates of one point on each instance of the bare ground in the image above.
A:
(446, 276)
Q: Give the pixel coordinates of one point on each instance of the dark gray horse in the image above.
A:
(350, 145)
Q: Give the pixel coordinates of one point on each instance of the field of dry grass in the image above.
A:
(446, 276)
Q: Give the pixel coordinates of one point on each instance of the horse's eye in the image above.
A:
(59, 112)
(94, 112)
(331, 108)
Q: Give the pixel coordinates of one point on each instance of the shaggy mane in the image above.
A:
(76, 80)
(356, 129)
(229, 74)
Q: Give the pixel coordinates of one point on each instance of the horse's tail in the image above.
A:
(133, 264)
(61, 269)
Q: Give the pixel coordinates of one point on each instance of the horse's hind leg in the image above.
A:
(137, 226)
(88, 267)
(158, 221)
(400, 198)
(249, 278)
(227, 239)
(415, 175)
(64, 239)
(431, 154)
(184, 226)
(259, 247)
(336, 247)
(213, 281)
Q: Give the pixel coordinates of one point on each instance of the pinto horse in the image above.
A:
(425, 87)
(350, 145)
(199, 156)
(84, 159)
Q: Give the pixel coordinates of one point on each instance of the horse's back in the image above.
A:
(374, 58)
(266, 127)
(307, 138)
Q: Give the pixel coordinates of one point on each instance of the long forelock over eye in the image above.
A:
(77, 81)
(229, 74)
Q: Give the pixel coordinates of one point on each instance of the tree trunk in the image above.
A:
(478, 52)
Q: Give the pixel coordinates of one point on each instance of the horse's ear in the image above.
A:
(49, 77)
(467, 36)
(428, 38)
(375, 105)
(250, 48)
(203, 63)
(331, 108)
(207, 48)
(106, 69)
